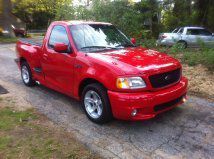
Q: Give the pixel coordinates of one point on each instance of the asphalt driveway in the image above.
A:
(185, 132)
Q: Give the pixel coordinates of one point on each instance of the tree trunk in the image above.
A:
(7, 19)
(202, 7)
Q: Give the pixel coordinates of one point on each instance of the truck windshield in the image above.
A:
(98, 37)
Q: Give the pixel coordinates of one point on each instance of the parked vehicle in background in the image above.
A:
(97, 64)
(187, 37)
(19, 32)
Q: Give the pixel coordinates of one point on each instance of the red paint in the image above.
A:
(65, 72)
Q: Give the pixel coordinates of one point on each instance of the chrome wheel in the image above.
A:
(93, 104)
(25, 74)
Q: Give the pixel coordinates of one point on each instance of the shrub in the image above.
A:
(203, 56)
(149, 43)
(190, 56)
(209, 59)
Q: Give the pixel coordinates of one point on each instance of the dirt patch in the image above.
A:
(12, 99)
(201, 81)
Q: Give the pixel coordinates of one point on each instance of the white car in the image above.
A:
(188, 37)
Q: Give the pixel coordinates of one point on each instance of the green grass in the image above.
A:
(7, 39)
(23, 134)
(10, 118)
(204, 57)
(4, 142)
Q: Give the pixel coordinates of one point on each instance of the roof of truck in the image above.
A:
(76, 22)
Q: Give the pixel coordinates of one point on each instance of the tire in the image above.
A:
(27, 75)
(182, 44)
(94, 99)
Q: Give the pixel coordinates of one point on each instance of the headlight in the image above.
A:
(130, 83)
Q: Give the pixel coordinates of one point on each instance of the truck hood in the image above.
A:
(138, 60)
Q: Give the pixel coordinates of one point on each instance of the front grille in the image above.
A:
(168, 104)
(164, 79)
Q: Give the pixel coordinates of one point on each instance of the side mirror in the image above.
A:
(61, 48)
(212, 34)
(133, 40)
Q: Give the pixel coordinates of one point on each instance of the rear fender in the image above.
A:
(31, 54)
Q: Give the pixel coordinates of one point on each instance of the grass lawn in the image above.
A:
(7, 39)
(27, 134)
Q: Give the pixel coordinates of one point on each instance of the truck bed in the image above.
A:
(32, 41)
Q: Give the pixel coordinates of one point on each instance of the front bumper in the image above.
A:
(147, 104)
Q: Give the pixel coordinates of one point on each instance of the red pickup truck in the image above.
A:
(97, 64)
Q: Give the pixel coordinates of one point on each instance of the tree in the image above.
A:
(150, 15)
(204, 13)
(38, 14)
(132, 18)
(65, 10)
(177, 13)
(119, 12)
(6, 19)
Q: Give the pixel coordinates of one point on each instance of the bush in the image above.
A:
(148, 43)
(203, 56)
(209, 59)
(190, 56)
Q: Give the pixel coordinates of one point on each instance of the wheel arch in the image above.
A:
(22, 59)
(182, 41)
(86, 82)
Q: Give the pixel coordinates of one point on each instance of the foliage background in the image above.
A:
(144, 19)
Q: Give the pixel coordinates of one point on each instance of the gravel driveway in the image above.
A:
(184, 132)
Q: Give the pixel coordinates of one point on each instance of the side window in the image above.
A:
(193, 31)
(181, 31)
(205, 32)
(58, 35)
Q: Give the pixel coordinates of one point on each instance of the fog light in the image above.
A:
(134, 112)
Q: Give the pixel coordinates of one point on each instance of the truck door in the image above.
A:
(58, 67)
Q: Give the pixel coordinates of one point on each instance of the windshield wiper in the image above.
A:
(99, 47)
